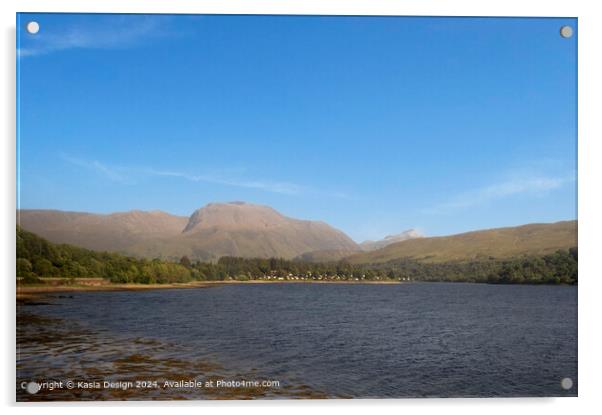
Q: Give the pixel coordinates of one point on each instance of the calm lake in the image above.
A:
(316, 340)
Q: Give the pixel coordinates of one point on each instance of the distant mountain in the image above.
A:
(111, 232)
(246, 230)
(333, 255)
(533, 239)
(216, 230)
(390, 239)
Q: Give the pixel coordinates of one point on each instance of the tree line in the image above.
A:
(559, 267)
(37, 258)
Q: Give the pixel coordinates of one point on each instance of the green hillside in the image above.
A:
(500, 243)
(38, 258)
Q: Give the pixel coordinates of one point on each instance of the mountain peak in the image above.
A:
(235, 214)
(408, 234)
(391, 239)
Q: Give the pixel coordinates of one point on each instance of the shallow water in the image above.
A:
(316, 340)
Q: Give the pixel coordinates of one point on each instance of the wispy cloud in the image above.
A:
(110, 173)
(266, 185)
(130, 175)
(533, 185)
(102, 32)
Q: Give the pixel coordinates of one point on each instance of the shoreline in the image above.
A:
(34, 291)
(25, 292)
(30, 291)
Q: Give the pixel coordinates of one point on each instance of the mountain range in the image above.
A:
(250, 230)
(215, 230)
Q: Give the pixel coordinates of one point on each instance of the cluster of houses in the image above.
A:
(291, 277)
(275, 276)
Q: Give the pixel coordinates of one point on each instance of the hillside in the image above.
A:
(38, 258)
(111, 232)
(532, 239)
(216, 230)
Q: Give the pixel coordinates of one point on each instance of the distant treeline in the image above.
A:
(557, 268)
(38, 258)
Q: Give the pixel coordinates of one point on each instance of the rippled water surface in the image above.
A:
(317, 340)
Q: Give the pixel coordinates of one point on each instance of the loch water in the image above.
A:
(316, 340)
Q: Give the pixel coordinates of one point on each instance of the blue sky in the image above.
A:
(372, 124)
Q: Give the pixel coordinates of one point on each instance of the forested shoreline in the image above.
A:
(38, 258)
